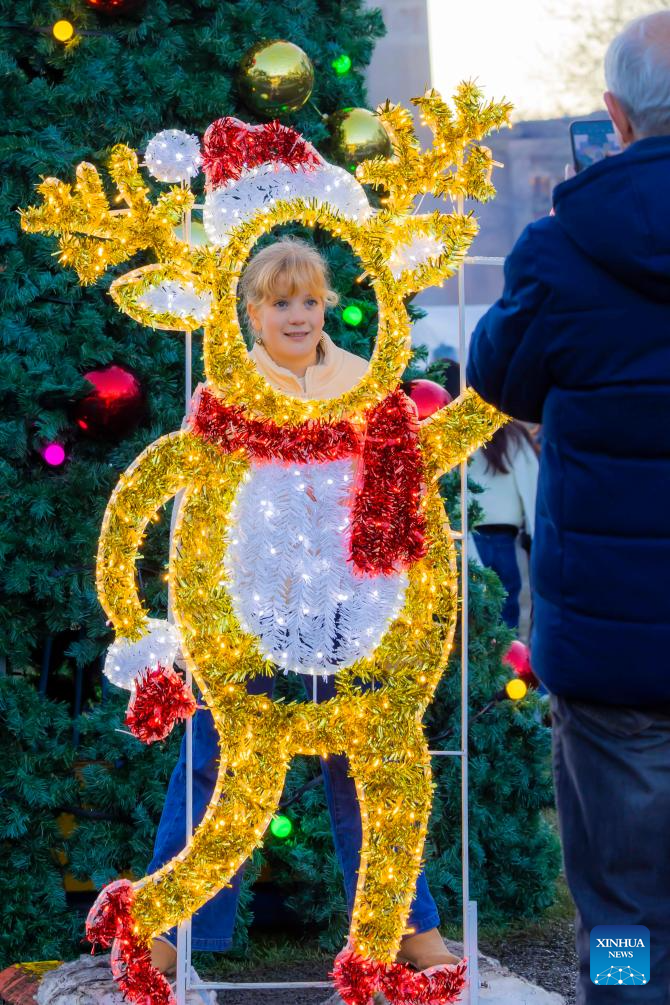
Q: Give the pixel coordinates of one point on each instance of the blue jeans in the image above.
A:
(498, 552)
(612, 782)
(213, 924)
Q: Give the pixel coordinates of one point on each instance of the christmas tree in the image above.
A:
(127, 71)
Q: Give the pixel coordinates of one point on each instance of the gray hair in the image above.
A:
(637, 71)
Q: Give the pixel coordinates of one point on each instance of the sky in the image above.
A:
(513, 48)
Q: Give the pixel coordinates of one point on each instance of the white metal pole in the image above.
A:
(184, 930)
(465, 807)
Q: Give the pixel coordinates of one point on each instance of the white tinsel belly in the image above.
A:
(293, 584)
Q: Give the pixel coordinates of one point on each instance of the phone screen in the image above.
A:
(592, 139)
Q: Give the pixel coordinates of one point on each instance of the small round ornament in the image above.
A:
(357, 135)
(275, 78)
(352, 315)
(173, 155)
(426, 395)
(113, 7)
(114, 407)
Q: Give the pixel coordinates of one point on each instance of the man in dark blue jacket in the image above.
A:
(580, 341)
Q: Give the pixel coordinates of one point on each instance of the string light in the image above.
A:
(281, 827)
(63, 30)
(352, 315)
(341, 64)
(54, 454)
(516, 689)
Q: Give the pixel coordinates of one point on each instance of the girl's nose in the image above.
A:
(296, 315)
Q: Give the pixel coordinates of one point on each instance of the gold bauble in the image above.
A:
(356, 135)
(275, 78)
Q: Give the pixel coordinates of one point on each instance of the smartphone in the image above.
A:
(592, 139)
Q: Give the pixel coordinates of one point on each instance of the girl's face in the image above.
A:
(290, 326)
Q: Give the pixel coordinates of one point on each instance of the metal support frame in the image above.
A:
(469, 907)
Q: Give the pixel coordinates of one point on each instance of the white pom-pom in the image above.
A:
(125, 660)
(173, 155)
(174, 297)
(417, 252)
(262, 187)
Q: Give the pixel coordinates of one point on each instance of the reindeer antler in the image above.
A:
(93, 236)
(456, 165)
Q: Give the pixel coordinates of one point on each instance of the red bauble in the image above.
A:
(426, 395)
(114, 6)
(116, 405)
(517, 658)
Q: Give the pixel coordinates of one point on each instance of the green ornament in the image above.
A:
(341, 64)
(352, 315)
(280, 826)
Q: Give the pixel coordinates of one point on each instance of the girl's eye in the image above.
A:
(280, 303)
(311, 302)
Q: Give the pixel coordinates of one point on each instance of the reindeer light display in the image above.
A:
(343, 492)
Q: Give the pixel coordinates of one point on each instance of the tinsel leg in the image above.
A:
(247, 792)
(395, 792)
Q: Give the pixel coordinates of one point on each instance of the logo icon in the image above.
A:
(620, 954)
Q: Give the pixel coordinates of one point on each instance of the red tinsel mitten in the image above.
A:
(160, 699)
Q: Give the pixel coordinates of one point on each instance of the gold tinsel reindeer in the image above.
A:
(395, 550)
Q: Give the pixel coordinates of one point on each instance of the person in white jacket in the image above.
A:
(507, 470)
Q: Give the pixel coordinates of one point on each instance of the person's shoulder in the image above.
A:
(537, 234)
(355, 363)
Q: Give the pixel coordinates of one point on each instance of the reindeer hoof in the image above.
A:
(110, 923)
(357, 979)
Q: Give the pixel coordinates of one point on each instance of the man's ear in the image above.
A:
(624, 128)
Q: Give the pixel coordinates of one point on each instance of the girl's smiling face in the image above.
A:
(290, 326)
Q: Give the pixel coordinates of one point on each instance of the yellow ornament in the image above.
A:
(357, 134)
(516, 689)
(406, 651)
(275, 78)
(63, 31)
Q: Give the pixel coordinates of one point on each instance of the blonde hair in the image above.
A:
(283, 267)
